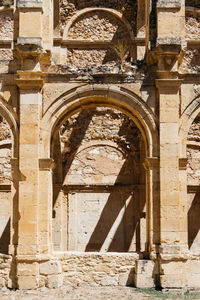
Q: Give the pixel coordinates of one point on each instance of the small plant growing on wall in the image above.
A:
(122, 49)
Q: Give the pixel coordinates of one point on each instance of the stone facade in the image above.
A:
(99, 143)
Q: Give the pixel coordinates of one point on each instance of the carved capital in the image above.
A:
(29, 80)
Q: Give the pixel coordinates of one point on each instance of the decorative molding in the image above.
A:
(29, 80)
(160, 83)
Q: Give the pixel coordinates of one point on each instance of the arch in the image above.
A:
(113, 12)
(11, 118)
(93, 96)
(187, 118)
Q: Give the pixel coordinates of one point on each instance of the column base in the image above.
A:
(145, 273)
(34, 272)
(173, 267)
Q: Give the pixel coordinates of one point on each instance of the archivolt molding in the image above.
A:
(85, 97)
(7, 112)
(187, 118)
(113, 12)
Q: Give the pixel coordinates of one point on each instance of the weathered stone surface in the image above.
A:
(50, 268)
(100, 119)
(98, 269)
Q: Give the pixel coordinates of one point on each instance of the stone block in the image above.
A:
(27, 269)
(144, 276)
(54, 281)
(27, 282)
(50, 268)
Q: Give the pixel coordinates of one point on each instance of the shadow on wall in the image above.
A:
(129, 223)
(5, 239)
(194, 222)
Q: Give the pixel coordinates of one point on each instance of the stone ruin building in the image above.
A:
(100, 143)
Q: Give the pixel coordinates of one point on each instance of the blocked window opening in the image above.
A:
(99, 184)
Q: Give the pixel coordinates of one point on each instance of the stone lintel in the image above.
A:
(151, 163)
(30, 4)
(183, 163)
(29, 80)
(46, 164)
(169, 4)
(171, 83)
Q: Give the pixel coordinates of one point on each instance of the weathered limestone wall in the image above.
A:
(5, 267)
(125, 200)
(98, 269)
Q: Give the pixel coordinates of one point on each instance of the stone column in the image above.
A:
(173, 214)
(28, 249)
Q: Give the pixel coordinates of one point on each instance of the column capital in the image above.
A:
(172, 83)
(29, 80)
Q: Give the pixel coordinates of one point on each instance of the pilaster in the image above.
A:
(172, 252)
(30, 106)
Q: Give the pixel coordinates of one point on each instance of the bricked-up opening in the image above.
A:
(5, 185)
(193, 179)
(99, 184)
(68, 8)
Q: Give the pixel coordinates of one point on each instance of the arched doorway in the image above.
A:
(99, 183)
(62, 118)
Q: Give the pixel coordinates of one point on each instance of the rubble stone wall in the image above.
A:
(97, 25)
(6, 25)
(5, 267)
(98, 269)
(68, 8)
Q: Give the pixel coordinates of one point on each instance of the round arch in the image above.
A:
(86, 97)
(187, 118)
(7, 112)
(113, 12)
